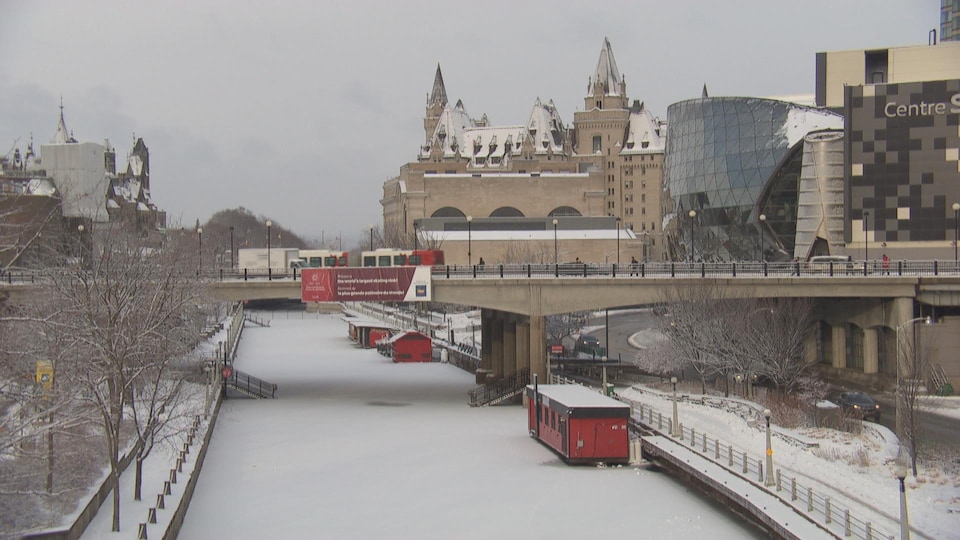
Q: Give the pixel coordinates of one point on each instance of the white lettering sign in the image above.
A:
(894, 109)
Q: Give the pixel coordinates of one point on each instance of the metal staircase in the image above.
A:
(250, 385)
(500, 390)
(939, 384)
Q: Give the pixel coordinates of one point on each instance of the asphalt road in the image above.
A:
(939, 431)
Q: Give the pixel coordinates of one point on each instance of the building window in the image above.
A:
(596, 143)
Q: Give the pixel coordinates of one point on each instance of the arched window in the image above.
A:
(506, 211)
(448, 211)
(564, 211)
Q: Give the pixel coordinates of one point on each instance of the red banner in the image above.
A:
(395, 284)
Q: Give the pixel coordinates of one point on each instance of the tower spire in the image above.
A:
(607, 73)
(439, 92)
(62, 136)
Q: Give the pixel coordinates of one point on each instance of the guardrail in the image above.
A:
(804, 498)
(588, 270)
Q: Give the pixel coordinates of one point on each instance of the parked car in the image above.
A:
(859, 404)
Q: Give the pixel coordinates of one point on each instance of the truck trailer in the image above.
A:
(281, 259)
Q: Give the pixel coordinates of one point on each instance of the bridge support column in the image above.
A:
(510, 345)
(838, 341)
(523, 344)
(497, 345)
(486, 337)
(538, 346)
(871, 348)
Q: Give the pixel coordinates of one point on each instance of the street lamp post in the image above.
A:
(469, 240)
(80, 242)
(900, 397)
(199, 250)
(269, 269)
(618, 242)
(693, 215)
(763, 219)
(956, 231)
(231, 248)
(371, 237)
(768, 476)
(416, 240)
(675, 426)
(904, 519)
(866, 236)
(739, 379)
(555, 251)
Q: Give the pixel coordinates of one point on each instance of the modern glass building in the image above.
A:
(732, 174)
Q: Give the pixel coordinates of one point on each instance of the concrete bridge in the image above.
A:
(860, 311)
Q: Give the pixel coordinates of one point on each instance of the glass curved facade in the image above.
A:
(731, 160)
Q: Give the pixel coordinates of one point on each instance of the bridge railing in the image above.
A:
(700, 269)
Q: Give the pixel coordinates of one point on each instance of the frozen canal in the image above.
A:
(359, 447)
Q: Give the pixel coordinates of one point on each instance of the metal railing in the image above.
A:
(498, 390)
(251, 385)
(804, 498)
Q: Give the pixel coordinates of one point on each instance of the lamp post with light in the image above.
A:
(763, 219)
(866, 236)
(618, 242)
(956, 231)
(80, 228)
(469, 240)
(199, 251)
(768, 476)
(231, 248)
(556, 259)
(675, 425)
(416, 240)
(269, 269)
(371, 237)
(693, 216)
(901, 473)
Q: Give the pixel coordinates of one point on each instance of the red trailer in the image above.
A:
(580, 424)
(367, 332)
(410, 347)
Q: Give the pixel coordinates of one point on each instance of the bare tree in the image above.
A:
(526, 253)
(913, 367)
(564, 325)
(774, 340)
(127, 314)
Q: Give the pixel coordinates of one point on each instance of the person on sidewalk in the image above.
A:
(633, 266)
(886, 264)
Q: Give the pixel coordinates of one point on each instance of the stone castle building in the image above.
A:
(535, 184)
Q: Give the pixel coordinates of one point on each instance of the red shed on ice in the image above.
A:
(367, 332)
(580, 424)
(410, 347)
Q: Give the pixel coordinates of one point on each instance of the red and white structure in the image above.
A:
(581, 425)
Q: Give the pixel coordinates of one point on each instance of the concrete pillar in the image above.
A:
(523, 344)
(538, 346)
(497, 345)
(838, 334)
(810, 349)
(486, 333)
(509, 345)
(871, 348)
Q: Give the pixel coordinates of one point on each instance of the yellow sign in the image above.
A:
(45, 374)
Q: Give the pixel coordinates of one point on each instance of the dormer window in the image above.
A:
(442, 133)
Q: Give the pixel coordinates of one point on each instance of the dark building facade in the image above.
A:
(903, 168)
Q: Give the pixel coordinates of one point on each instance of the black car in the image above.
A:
(859, 404)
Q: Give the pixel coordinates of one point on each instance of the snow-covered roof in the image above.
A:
(546, 127)
(803, 120)
(449, 134)
(644, 134)
(41, 186)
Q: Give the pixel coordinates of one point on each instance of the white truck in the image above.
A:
(282, 260)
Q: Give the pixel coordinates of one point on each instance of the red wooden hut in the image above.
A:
(410, 347)
(367, 332)
(580, 424)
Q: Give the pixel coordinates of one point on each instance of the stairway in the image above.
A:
(500, 390)
(250, 385)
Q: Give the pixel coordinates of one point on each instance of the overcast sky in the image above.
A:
(299, 111)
